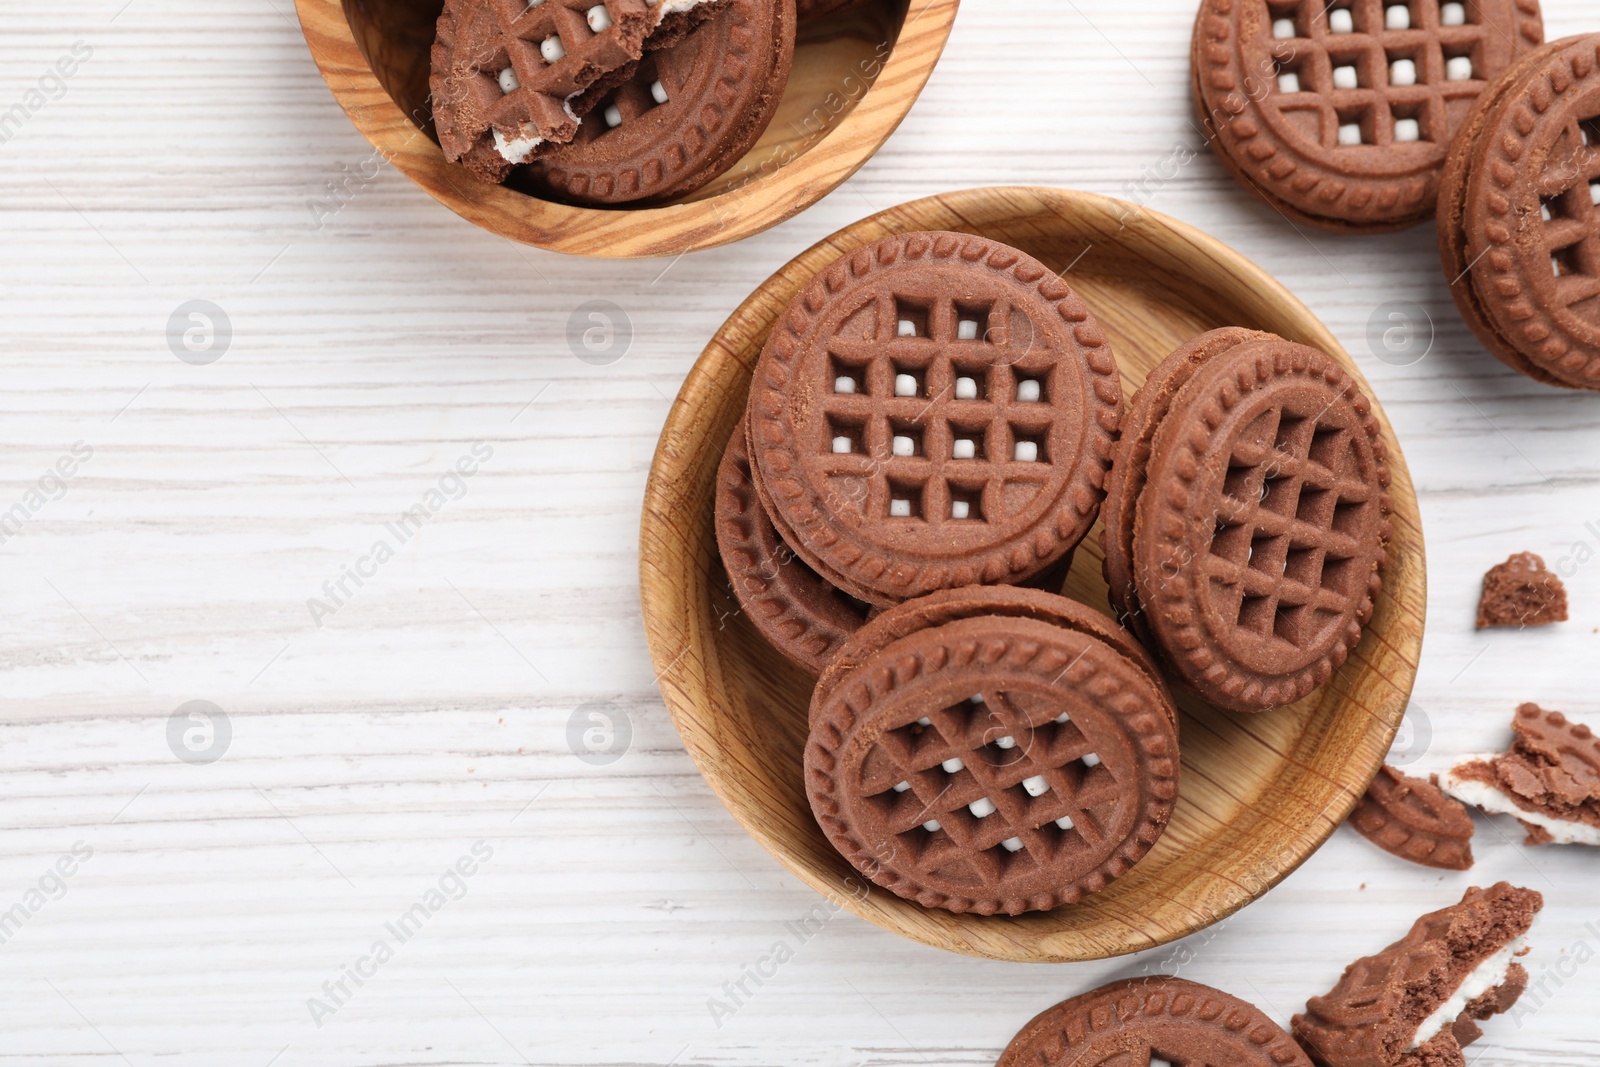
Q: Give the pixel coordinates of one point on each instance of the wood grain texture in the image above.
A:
(855, 76)
(183, 161)
(1258, 794)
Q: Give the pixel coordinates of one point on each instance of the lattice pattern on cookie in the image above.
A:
(658, 79)
(1569, 205)
(939, 416)
(517, 64)
(999, 780)
(1374, 72)
(1286, 558)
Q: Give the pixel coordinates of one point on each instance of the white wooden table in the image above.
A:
(423, 719)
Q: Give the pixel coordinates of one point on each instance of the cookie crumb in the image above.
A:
(1522, 591)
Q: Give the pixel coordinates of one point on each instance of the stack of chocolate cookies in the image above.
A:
(1247, 517)
(1362, 116)
(1519, 210)
(610, 102)
(932, 428)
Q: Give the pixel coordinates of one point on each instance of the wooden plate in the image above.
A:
(856, 74)
(1259, 793)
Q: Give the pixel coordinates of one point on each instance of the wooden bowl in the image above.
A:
(1259, 793)
(856, 74)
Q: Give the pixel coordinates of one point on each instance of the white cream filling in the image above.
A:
(673, 7)
(520, 149)
(1486, 797)
(1488, 974)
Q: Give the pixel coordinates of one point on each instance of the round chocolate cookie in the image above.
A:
(1339, 113)
(1260, 534)
(992, 764)
(801, 615)
(1519, 213)
(686, 114)
(974, 601)
(1142, 1021)
(1127, 478)
(933, 410)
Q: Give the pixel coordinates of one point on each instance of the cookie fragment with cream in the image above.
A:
(509, 79)
(1418, 1003)
(1549, 780)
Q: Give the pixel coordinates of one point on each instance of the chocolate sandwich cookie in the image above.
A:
(1520, 592)
(1550, 780)
(801, 615)
(992, 764)
(1132, 457)
(1259, 532)
(933, 410)
(1157, 1021)
(511, 78)
(1339, 113)
(974, 601)
(1419, 1001)
(1519, 212)
(685, 115)
(1413, 818)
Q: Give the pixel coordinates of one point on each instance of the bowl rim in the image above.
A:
(631, 233)
(668, 609)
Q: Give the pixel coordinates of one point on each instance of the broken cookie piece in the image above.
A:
(1550, 780)
(510, 80)
(1419, 1001)
(1521, 592)
(1414, 819)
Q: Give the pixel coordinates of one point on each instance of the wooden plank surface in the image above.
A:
(612, 909)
